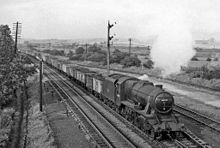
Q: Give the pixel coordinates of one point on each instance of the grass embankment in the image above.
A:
(6, 123)
(33, 131)
(187, 78)
(39, 132)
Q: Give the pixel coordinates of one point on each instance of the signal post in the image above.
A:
(109, 38)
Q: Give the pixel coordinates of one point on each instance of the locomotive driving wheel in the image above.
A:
(178, 134)
(122, 111)
(139, 122)
(117, 109)
(126, 113)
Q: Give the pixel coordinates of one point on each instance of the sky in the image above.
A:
(141, 19)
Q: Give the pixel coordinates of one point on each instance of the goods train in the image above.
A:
(146, 105)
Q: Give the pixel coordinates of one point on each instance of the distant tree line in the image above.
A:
(54, 52)
(96, 54)
(208, 59)
(32, 47)
(203, 72)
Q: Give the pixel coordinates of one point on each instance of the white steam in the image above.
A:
(144, 77)
(173, 46)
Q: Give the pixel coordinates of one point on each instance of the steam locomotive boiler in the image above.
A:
(146, 105)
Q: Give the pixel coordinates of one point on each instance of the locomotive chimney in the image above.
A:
(160, 86)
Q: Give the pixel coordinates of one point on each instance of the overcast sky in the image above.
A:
(70, 19)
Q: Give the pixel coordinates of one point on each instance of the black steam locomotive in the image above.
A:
(146, 105)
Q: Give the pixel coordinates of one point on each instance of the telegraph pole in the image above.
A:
(85, 52)
(109, 38)
(41, 91)
(17, 27)
(129, 46)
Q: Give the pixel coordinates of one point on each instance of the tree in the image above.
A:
(80, 50)
(215, 59)
(148, 47)
(130, 61)
(194, 59)
(94, 48)
(32, 47)
(54, 52)
(6, 44)
(14, 68)
(101, 52)
(149, 64)
(209, 59)
(97, 57)
(70, 54)
(77, 57)
(118, 56)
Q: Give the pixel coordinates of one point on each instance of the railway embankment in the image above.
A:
(37, 130)
(66, 130)
(6, 122)
(14, 133)
(25, 126)
(51, 128)
(63, 130)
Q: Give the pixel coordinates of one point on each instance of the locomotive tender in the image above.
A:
(146, 105)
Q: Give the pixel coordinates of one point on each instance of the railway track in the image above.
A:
(100, 129)
(153, 143)
(190, 140)
(200, 118)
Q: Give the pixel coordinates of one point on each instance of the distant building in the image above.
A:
(26, 42)
(197, 64)
(209, 43)
(201, 41)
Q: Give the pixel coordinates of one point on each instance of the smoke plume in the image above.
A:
(173, 46)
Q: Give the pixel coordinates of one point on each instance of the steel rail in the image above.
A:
(203, 119)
